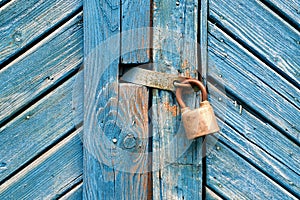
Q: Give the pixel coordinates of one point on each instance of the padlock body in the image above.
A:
(199, 122)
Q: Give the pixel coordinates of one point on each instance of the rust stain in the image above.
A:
(172, 109)
(184, 64)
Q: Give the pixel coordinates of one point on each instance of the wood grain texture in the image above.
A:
(290, 9)
(40, 68)
(39, 127)
(210, 195)
(177, 172)
(255, 84)
(23, 22)
(116, 128)
(262, 145)
(50, 174)
(227, 48)
(234, 178)
(135, 25)
(263, 32)
(122, 153)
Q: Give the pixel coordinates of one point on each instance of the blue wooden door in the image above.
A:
(131, 144)
(252, 75)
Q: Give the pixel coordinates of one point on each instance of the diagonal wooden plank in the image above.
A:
(234, 178)
(41, 68)
(262, 145)
(290, 9)
(50, 174)
(36, 129)
(254, 84)
(228, 47)
(22, 23)
(177, 171)
(262, 32)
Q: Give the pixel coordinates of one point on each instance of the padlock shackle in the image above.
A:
(194, 82)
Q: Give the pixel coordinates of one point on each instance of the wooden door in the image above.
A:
(252, 75)
(133, 147)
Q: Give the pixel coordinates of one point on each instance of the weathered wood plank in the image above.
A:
(135, 31)
(177, 169)
(132, 119)
(74, 194)
(252, 65)
(39, 127)
(102, 21)
(116, 128)
(40, 68)
(290, 9)
(263, 32)
(23, 22)
(210, 195)
(122, 155)
(234, 178)
(255, 84)
(262, 145)
(48, 175)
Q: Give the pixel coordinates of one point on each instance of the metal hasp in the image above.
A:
(152, 79)
(201, 121)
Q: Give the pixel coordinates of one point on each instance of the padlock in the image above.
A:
(200, 121)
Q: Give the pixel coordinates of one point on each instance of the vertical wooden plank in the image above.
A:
(121, 151)
(177, 172)
(101, 21)
(116, 115)
(133, 142)
(135, 22)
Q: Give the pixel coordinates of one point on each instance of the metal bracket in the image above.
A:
(152, 79)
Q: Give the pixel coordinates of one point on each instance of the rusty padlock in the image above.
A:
(201, 121)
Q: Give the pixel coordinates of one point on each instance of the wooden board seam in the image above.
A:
(72, 190)
(74, 187)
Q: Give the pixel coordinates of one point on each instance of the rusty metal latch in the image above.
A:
(153, 79)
